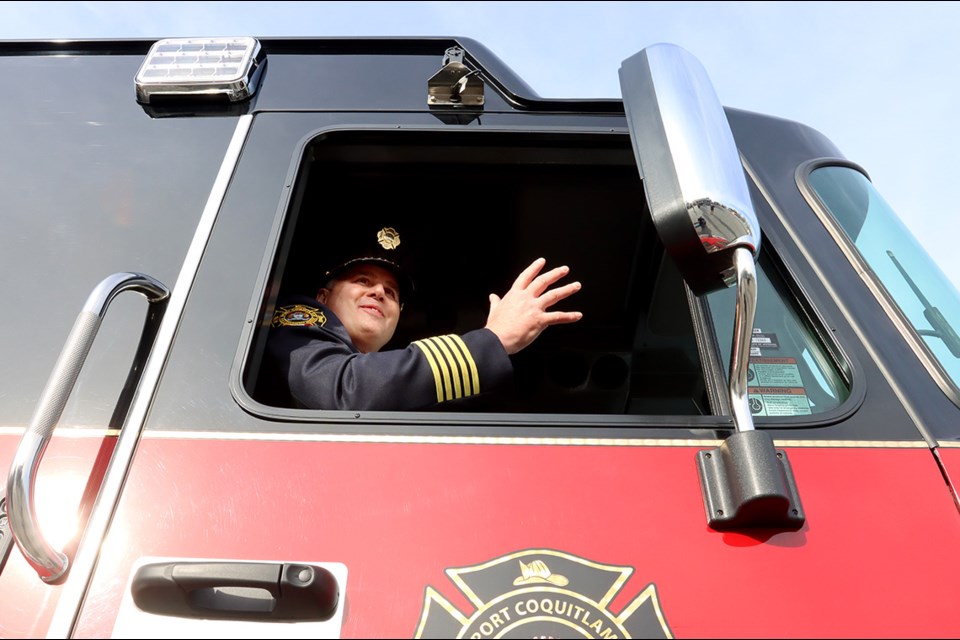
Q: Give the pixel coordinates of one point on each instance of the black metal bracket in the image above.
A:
(747, 483)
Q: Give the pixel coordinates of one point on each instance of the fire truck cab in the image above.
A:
(752, 432)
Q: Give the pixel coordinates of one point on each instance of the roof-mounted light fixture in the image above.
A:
(182, 67)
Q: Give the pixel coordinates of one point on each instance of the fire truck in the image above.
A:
(752, 432)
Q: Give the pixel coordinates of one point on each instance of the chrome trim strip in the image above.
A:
(71, 599)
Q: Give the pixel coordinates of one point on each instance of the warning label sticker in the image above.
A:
(779, 401)
(773, 372)
(776, 388)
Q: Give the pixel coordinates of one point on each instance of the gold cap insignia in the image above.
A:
(538, 572)
(388, 238)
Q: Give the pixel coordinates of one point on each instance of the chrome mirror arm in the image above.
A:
(744, 315)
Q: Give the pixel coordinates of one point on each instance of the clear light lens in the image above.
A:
(199, 66)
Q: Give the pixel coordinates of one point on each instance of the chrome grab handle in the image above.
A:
(49, 563)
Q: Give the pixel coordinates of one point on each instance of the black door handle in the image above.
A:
(236, 590)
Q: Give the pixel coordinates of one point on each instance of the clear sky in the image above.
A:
(880, 79)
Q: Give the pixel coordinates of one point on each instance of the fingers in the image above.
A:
(537, 286)
(527, 275)
(561, 317)
(550, 298)
(528, 278)
(544, 280)
(519, 317)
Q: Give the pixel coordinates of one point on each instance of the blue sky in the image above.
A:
(880, 79)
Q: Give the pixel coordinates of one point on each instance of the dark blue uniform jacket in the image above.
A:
(324, 370)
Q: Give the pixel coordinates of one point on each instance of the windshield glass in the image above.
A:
(921, 290)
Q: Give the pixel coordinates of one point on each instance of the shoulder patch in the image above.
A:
(298, 315)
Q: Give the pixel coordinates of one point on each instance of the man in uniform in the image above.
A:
(329, 348)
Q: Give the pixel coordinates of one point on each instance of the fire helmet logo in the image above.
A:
(542, 593)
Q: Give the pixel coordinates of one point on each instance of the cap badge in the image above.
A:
(388, 238)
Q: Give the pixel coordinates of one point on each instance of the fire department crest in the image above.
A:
(298, 315)
(388, 238)
(541, 593)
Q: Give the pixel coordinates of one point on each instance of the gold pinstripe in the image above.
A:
(433, 366)
(457, 370)
(463, 353)
(91, 431)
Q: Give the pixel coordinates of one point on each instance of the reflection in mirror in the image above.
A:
(695, 185)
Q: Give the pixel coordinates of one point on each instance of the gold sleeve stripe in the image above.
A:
(447, 391)
(456, 359)
(466, 362)
(456, 371)
(433, 366)
(444, 391)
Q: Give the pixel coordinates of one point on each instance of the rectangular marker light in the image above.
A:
(201, 67)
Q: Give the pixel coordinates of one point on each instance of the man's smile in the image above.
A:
(372, 310)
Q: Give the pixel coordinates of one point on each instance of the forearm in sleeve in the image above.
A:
(430, 371)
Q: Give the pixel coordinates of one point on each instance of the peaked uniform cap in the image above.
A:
(382, 246)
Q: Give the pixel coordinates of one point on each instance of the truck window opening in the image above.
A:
(477, 208)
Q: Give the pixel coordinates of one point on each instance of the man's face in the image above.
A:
(366, 299)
